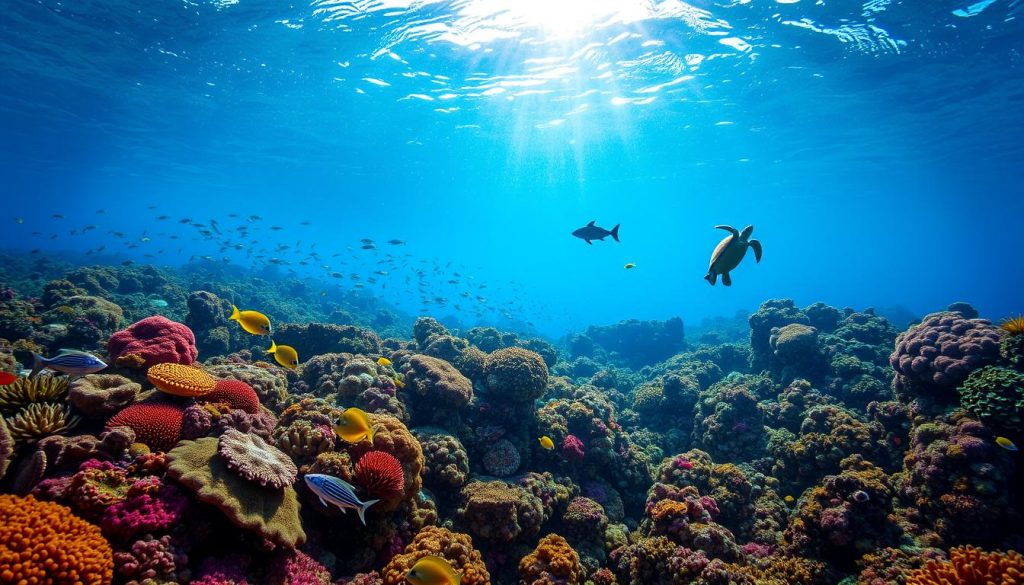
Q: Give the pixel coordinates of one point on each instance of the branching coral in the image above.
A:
(255, 460)
(970, 566)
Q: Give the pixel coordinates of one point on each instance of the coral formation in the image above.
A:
(515, 374)
(98, 396)
(153, 340)
(181, 380)
(499, 512)
(454, 547)
(553, 562)
(236, 394)
(438, 381)
(255, 460)
(380, 474)
(158, 426)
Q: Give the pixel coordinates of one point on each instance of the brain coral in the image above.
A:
(254, 459)
(970, 566)
(236, 394)
(516, 374)
(380, 474)
(271, 513)
(180, 380)
(438, 381)
(43, 542)
(499, 512)
(158, 426)
(101, 395)
(153, 340)
(937, 354)
(553, 562)
(454, 547)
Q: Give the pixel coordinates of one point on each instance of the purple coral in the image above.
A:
(153, 559)
(293, 567)
(572, 448)
(150, 506)
(943, 349)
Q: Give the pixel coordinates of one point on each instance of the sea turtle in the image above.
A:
(730, 252)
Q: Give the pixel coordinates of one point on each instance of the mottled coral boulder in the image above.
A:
(446, 464)
(101, 395)
(454, 547)
(499, 512)
(795, 352)
(438, 381)
(320, 338)
(553, 562)
(515, 374)
(153, 340)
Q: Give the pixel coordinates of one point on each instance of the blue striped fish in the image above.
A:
(333, 490)
(69, 361)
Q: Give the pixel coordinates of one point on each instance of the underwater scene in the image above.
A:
(511, 292)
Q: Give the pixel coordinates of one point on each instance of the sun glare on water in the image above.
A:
(558, 19)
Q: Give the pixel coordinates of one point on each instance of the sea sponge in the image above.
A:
(553, 562)
(499, 512)
(516, 374)
(156, 340)
(101, 395)
(150, 506)
(970, 566)
(25, 391)
(256, 460)
(380, 475)
(394, 438)
(454, 547)
(43, 542)
(181, 380)
(158, 426)
(236, 394)
(996, 396)
(438, 381)
(40, 420)
(270, 513)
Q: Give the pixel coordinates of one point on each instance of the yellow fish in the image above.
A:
(433, 570)
(354, 426)
(284, 355)
(630, 265)
(1006, 443)
(788, 499)
(546, 442)
(383, 361)
(252, 321)
(399, 383)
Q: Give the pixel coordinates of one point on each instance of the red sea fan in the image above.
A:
(380, 474)
(237, 394)
(158, 426)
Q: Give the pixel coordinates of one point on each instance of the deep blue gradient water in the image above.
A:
(877, 148)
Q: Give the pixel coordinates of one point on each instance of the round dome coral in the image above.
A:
(380, 474)
(237, 394)
(153, 340)
(158, 426)
(180, 380)
(43, 542)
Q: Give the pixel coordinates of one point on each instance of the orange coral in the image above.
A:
(971, 566)
(395, 439)
(553, 562)
(1013, 325)
(668, 510)
(43, 542)
(181, 380)
(455, 547)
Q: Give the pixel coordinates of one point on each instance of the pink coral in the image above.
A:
(153, 340)
(256, 460)
(572, 448)
(150, 506)
(150, 559)
(294, 567)
(235, 393)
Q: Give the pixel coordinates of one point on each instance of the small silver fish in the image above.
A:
(333, 490)
(68, 361)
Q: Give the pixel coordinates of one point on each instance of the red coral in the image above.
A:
(572, 448)
(158, 426)
(380, 474)
(153, 340)
(237, 394)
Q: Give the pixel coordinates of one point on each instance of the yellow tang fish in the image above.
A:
(284, 355)
(630, 265)
(1006, 443)
(399, 383)
(383, 361)
(546, 442)
(353, 426)
(433, 570)
(252, 321)
(788, 499)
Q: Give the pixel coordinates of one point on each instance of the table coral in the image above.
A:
(156, 425)
(98, 396)
(499, 512)
(553, 562)
(454, 547)
(156, 340)
(270, 513)
(255, 460)
(43, 542)
(181, 380)
(970, 566)
(515, 374)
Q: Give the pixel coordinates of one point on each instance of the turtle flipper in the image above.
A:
(729, 229)
(726, 279)
(755, 245)
(711, 277)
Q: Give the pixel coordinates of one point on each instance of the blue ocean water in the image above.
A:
(876, 148)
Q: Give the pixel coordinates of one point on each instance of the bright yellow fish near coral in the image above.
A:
(1006, 443)
(383, 361)
(546, 442)
(284, 355)
(353, 426)
(252, 321)
(433, 570)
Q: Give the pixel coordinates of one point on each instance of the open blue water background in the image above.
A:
(876, 147)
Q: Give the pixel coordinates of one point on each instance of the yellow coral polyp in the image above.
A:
(25, 391)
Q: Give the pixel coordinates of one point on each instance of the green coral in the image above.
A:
(995, 395)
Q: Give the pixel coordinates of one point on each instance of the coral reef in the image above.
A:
(454, 547)
(236, 394)
(553, 562)
(996, 396)
(380, 474)
(438, 381)
(99, 396)
(970, 566)
(158, 426)
(181, 380)
(153, 340)
(255, 460)
(496, 511)
(515, 374)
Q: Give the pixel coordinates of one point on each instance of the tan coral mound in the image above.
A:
(971, 566)
(553, 562)
(271, 513)
(454, 547)
(99, 396)
(181, 380)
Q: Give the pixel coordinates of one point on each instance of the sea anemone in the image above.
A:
(970, 566)
(40, 420)
(25, 391)
(380, 474)
(1013, 325)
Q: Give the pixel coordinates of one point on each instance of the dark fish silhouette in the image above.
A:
(592, 232)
